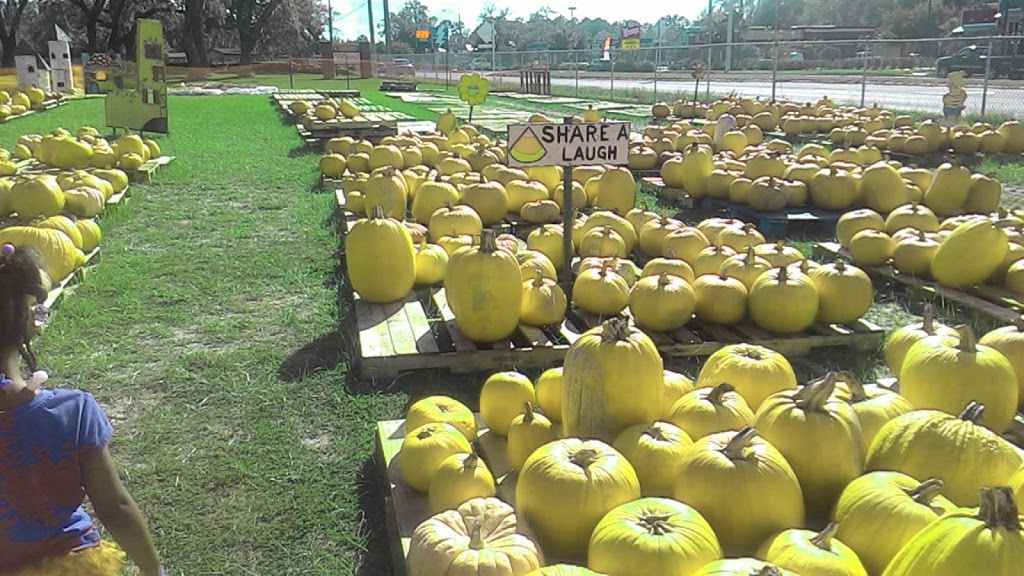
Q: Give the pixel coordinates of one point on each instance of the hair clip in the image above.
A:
(7, 249)
(41, 315)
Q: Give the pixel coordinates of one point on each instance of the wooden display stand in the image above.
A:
(535, 82)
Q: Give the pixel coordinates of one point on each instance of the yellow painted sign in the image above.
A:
(144, 107)
(630, 43)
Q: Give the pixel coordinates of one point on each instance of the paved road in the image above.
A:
(897, 96)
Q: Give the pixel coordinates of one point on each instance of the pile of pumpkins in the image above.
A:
(793, 118)
(930, 137)
(21, 101)
(959, 251)
(624, 468)
(83, 150)
(325, 110)
(772, 176)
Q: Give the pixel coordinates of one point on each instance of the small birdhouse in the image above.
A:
(60, 64)
(31, 68)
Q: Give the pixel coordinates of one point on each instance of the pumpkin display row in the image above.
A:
(84, 149)
(959, 252)
(324, 110)
(772, 177)
(21, 101)
(665, 476)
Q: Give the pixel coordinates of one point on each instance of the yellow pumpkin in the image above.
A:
(806, 552)
(459, 478)
(651, 236)
(970, 254)
(386, 188)
(670, 265)
(615, 222)
(933, 444)
(528, 432)
(941, 373)
(600, 291)
(532, 262)
(913, 216)
(488, 199)
(502, 398)
(547, 240)
(1009, 341)
(543, 303)
(477, 538)
(549, 393)
(442, 409)
(901, 340)
(604, 242)
(424, 448)
(566, 487)
(652, 536)
(739, 238)
(450, 220)
(819, 435)
(685, 244)
(676, 385)
(720, 299)
(662, 303)
(743, 486)
(431, 261)
(871, 247)
(742, 567)
(563, 570)
(754, 371)
(616, 191)
(875, 405)
(484, 290)
(783, 300)
(654, 450)
(706, 411)
(880, 512)
(713, 227)
(431, 196)
(379, 258)
(1017, 483)
(986, 541)
(778, 254)
(913, 254)
(855, 221)
(745, 267)
(594, 402)
(845, 293)
(710, 259)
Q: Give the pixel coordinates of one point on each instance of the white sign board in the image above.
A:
(586, 144)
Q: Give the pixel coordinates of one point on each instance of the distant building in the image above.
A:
(980, 20)
(31, 68)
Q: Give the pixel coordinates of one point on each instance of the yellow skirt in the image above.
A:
(107, 559)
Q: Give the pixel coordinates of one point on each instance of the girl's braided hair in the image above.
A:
(20, 279)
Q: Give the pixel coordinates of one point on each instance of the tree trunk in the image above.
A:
(247, 42)
(90, 32)
(195, 39)
(10, 45)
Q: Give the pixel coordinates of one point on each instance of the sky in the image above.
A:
(350, 16)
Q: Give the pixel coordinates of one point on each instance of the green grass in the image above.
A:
(1008, 173)
(210, 333)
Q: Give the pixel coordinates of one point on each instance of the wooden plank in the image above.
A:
(374, 337)
(425, 342)
(570, 332)
(459, 340)
(535, 335)
(403, 339)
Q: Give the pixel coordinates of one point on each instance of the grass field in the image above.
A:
(212, 333)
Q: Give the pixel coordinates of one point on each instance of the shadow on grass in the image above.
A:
(372, 489)
(324, 353)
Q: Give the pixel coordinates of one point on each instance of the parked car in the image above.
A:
(480, 63)
(1007, 61)
(599, 65)
(399, 66)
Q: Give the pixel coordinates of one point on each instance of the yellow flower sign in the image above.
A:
(473, 89)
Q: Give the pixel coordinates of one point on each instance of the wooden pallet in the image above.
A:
(373, 134)
(404, 507)
(66, 286)
(991, 301)
(144, 175)
(397, 86)
(668, 195)
(781, 223)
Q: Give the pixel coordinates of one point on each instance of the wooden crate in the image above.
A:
(674, 196)
(144, 175)
(780, 223)
(66, 286)
(992, 301)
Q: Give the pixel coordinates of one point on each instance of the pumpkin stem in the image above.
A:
(470, 461)
(823, 539)
(527, 413)
(538, 278)
(783, 275)
(1019, 323)
(487, 242)
(926, 491)
(921, 236)
(476, 541)
(716, 393)
(814, 395)
(857, 392)
(841, 266)
(972, 413)
(584, 458)
(779, 246)
(376, 212)
(750, 255)
(614, 330)
(654, 432)
(968, 343)
(670, 253)
(425, 433)
(734, 449)
(768, 571)
(663, 280)
(998, 508)
(928, 320)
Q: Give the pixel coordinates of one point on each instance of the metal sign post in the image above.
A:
(567, 224)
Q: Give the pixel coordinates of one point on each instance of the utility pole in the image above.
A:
(387, 26)
(330, 23)
(711, 8)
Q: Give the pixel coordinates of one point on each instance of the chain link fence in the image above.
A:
(903, 75)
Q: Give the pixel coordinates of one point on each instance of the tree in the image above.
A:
(250, 18)
(11, 12)
(194, 33)
(91, 11)
(121, 20)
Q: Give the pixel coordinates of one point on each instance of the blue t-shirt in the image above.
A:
(42, 444)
